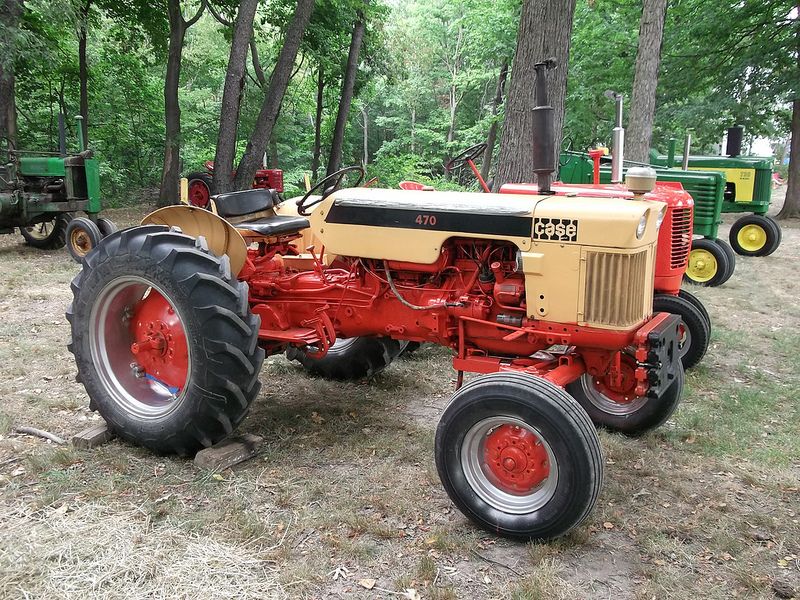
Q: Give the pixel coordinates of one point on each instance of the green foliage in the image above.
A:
(428, 70)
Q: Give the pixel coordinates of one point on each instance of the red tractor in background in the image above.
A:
(674, 241)
(200, 183)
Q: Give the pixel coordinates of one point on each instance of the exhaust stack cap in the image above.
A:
(641, 180)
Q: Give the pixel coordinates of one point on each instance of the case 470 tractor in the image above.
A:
(41, 192)
(549, 299)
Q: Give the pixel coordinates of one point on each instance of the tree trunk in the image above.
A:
(170, 175)
(348, 84)
(791, 205)
(365, 126)
(278, 82)
(83, 68)
(645, 81)
(318, 124)
(9, 19)
(491, 137)
(232, 97)
(545, 29)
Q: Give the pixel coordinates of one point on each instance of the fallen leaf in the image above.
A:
(411, 594)
(608, 525)
(218, 477)
(367, 583)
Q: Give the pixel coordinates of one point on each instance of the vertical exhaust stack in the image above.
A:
(687, 147)
(544, 147)
(617, 138)
(735, 138)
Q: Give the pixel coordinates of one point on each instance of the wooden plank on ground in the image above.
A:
(93, 437)
(229, 452)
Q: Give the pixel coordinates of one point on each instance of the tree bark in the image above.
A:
(278, 82)
(491, 137)
(83, 68)
(545, 29)
(232, 97)
(318, 124)
(170, 174)
(645, 81)
(348, 84)
(791, 205)
(9, 19)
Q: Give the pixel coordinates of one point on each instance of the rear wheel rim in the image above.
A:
(752, 237)
(703, 265)
(41, 231)
(489, 459)
(139, 347)
(199, 194)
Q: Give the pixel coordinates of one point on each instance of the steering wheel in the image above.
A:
(303, 205)
(467, 155)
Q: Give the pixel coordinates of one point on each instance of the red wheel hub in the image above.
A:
(516, 458)
(160, 348)
(621, 389)
(198, 193)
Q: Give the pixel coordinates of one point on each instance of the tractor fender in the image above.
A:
(221, 237)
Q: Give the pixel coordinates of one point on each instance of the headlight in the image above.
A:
(660, 218)
(641, 227)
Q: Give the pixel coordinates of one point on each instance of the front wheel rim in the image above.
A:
(81, 242)
(702, 265)
(139, 348)
(513, 477)
(611, 401)
(752, 237)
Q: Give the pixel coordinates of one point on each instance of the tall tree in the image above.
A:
(491, 137)
(645, 80)
(317, 149)
(232, 96)
(791, 206)
(10, 11)
(278, 81)
(544, 31)
(348, 85)
(172, 110)
(83, 65)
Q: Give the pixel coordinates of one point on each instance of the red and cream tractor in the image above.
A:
(200, 183)
(547, 298)
(674, 242)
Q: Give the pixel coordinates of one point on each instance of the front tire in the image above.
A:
(755, 235)
(518, 456)
(618, 409)
(83, 236)
(350, 358)
(164, 340)
(695, 330)
(200, 189)
(708, 263)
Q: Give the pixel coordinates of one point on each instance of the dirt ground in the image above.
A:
(343, 499)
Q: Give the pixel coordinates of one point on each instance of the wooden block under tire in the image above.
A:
(96, 435)
(228, 452)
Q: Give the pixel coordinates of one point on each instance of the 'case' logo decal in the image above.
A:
(555, 230)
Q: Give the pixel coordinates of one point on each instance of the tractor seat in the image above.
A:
(252, 210)
(277, 225)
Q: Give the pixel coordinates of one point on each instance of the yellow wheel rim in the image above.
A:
(702, 266)
(752, 238)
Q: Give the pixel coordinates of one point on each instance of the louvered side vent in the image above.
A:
(681, 236)
(617, 288)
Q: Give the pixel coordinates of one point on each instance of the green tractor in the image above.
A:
(40, 192)
(711, 260)
(748, 190)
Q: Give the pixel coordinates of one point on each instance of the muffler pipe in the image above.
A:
(687, 147)
(617, 139)
(544, 146)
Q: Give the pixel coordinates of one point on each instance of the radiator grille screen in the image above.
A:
(617, 288)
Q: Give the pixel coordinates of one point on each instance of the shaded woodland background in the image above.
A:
(167, 85)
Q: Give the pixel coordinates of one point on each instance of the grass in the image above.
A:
(704, 507)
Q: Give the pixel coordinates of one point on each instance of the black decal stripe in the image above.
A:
(444, 221)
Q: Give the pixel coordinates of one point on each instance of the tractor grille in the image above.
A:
(618, 288)
(681, 236)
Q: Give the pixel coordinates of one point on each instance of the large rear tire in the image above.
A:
(695, 330)
(164, 340)
(518, 456)
(619, 409)
(351, 358)
(48, 235)
(200, 189)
